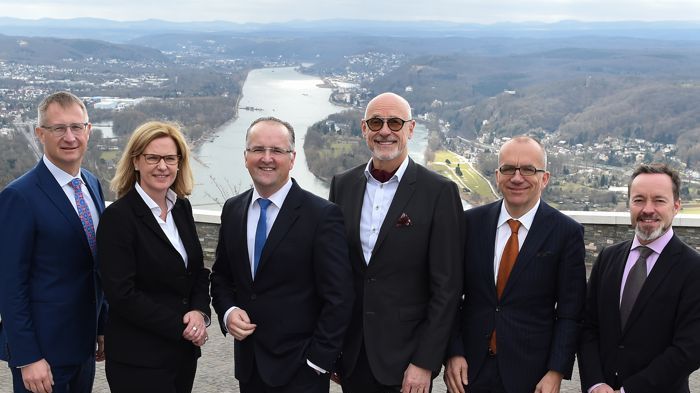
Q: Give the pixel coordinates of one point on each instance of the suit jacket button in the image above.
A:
(185, 301)
(253, 297)
(498, 309)
(620, 347)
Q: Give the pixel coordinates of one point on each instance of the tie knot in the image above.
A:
(75, 183)
(514, 225)
(644, 252)
(264, 203)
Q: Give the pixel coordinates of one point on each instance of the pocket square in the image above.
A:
(404, 221)
(545, 253)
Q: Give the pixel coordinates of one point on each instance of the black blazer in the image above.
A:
(660, 345)
(147, 285)
(408, 293)
(302, 294)
(538, 317)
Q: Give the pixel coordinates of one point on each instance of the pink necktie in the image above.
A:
(84, 214)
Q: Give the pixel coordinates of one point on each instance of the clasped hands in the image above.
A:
(195, 328)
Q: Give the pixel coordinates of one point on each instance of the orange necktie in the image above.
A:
(510, 254)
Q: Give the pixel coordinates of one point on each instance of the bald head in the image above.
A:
(523, 141)
(388, 100)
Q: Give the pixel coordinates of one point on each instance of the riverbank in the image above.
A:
(211, 134)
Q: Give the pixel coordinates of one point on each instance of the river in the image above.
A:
(285, 93)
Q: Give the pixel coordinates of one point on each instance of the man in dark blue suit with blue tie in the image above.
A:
(281, 282)
(524, 285)
(51, 300)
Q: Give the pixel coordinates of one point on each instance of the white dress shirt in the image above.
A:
(375, 205)
(503, 233)
(168, 225)
(63, 178)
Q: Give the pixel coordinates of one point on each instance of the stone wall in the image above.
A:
(601, 230)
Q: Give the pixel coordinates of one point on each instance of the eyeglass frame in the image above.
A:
(528, 168)
(274, 151)
(56, 129)
(385, 120)
(165, 158)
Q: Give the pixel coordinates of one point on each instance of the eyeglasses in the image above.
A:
(154, 159)
(60, 129)
(275, 151)
(525, 170)
(394, 123)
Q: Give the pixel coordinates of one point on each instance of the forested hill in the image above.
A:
(43, 50)
(584, 94)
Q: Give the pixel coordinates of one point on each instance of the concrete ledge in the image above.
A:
(207, 216)
(599, 218)
(623, 218)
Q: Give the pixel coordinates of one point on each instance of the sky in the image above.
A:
(267, 11)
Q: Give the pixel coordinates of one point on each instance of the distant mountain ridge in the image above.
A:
(122, 31)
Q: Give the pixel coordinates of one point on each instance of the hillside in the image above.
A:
(43, 50)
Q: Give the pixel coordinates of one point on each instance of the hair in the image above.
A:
(525, 139)
(286, 125)
(126, 175)
(402, 101)
(62, 98)
(657, 168)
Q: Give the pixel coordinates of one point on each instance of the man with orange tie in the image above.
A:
(524, 285)
(51, 300)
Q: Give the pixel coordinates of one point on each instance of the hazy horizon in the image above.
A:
(276, 11)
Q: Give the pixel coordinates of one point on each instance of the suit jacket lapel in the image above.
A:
(663, 266)
(618, 260)
(401, 198)
(285, 219)
(48, 184)
(239, 213)
(357, 196)
(536, 235)
(184, 230)
(488, 239)
(92, 185)
(142, 211)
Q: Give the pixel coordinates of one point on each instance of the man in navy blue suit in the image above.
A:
(524, 285)
(51, 300)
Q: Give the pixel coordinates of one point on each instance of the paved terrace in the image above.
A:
(215, 371)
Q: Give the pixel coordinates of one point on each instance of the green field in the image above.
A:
(472, 186)
(690, 208)
(110, 155)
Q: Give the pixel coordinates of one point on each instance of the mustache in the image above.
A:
(647, 217)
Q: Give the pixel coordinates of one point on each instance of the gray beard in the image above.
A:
(650, 236)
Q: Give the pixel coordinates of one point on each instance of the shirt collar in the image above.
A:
(525, 220)
(399, 172)
(278, 197)
(61, 176)
(170, 198)
(657, 245)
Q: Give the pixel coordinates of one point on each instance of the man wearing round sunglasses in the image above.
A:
(523, 285)
(403, 227)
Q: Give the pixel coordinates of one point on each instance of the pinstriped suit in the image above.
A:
(538, 315)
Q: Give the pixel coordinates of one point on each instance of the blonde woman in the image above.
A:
(152, 269)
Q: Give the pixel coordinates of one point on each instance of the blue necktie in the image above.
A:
(260, 233)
